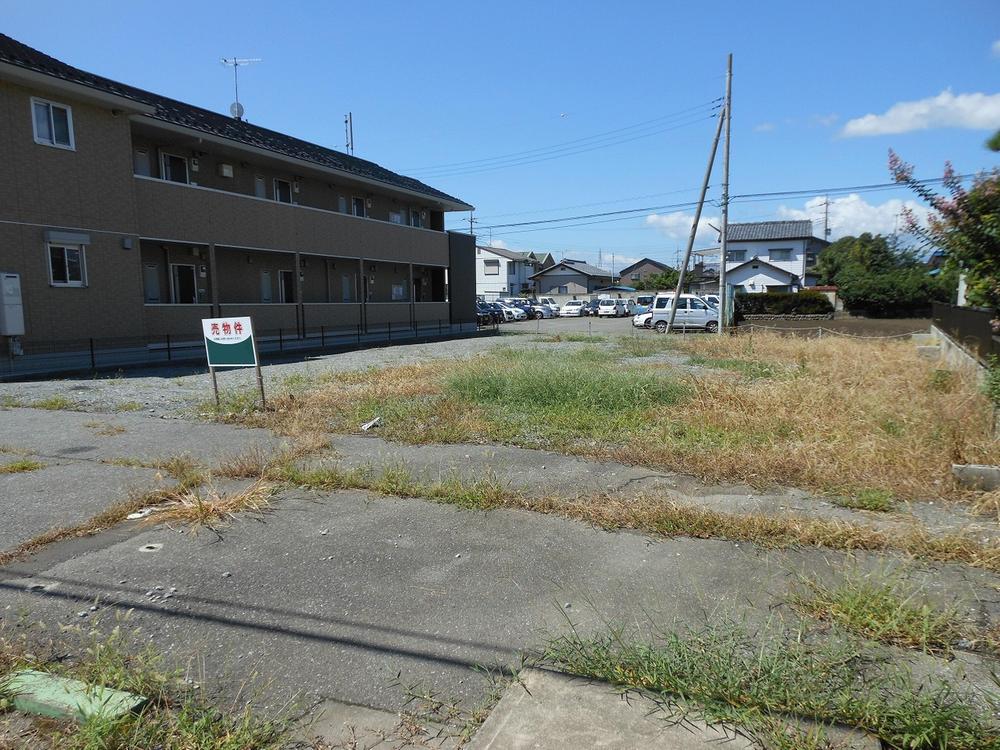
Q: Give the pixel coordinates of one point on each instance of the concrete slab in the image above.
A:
(63, 494)
(82, 436)
(345, 725)
(550, 711)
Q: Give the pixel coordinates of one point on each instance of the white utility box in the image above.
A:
(11, 307)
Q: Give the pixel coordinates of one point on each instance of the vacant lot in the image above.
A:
(868, 422)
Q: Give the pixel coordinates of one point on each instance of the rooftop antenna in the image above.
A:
(349, 132)
(236, 109)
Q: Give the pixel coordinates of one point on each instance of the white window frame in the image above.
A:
(163, 168)
(490, 263)
(69, 124)
(274, 186)
(173, 283)
(83, 264)
(364, 206)
(790, 251)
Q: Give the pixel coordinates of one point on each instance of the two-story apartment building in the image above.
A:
(129, 214)
(776, 256)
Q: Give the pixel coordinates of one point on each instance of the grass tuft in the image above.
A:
(755, 681)
(56, 403)
(868, 499)
(883, 609)
(21, 466)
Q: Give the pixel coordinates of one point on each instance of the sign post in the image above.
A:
(229, 342)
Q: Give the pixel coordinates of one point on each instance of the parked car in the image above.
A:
(611, 307)
(629, 306)
(485, 316)
(513, 313)
(642, 303)
(712, 299)
(590, 308)
(572, 309)
(540, 311)
(692, 312)
(550, 302)
(498, 311)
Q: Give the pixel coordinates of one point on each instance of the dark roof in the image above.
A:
(642, 262)
(509, 254)
(757, 260)
(769, 230)
(172, 111)
(577, 265)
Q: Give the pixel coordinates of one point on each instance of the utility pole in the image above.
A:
(470, 223)
(724, 240)
(694, 224)
(349, 132)
(826, 218)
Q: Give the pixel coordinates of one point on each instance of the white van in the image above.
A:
(550, 303)
(611, 307)
(692, 312)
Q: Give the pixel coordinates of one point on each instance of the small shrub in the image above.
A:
(991, 386)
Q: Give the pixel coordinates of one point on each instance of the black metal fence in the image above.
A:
(971, 328)
(94, 354)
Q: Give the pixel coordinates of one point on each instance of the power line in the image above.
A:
(742, 198)
(563, 144)
(572, 151)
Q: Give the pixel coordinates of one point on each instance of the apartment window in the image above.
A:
(636, 276)
(342, 204)
(563, 290)
(67, 266)
(396, 217)
(415, 220)
(737, 255)
(512, 268)
(398, 292)
(784, 253)
(173, 168)
(491, 267)
(359, 207)
(282, 191)
(259, 187)
(53, 124)
(140, 163)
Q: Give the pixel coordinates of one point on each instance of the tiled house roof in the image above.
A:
(769, 230)
(175, 112)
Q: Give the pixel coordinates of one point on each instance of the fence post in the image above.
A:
(439, 326)
(169, 352)
(390, 330)
(359, 334)
(93, 358)
(322, 336)
(281, 341)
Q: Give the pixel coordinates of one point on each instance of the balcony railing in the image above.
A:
(200, 215)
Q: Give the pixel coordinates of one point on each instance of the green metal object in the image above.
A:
(44, 694)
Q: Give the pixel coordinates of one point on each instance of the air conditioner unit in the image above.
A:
(226, 170)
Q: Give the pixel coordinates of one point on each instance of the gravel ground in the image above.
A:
(176, 392)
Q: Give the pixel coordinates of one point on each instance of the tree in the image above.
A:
(878, 279)
(665, 280)
(965, 225)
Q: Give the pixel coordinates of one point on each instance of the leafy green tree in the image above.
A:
(966, 226)
(665, 280)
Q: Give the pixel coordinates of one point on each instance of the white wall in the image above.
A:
(512, 274)
(756, 280)
(762, 250)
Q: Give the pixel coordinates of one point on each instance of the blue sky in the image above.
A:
(444, 83)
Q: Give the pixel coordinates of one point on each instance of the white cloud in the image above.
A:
(495, 243)
(946, 110)
(677, 226)
(826, 120)
(853, 215)
(764, 127)
(996, 48)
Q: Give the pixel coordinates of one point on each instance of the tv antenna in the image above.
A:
(236, 109)
(349, 132)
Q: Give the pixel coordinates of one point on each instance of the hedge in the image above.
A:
(783, 303)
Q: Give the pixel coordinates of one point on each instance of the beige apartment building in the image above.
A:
(125, 214)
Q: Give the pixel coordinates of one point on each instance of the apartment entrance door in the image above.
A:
(183, 289)
(265, 286)
(286, 286)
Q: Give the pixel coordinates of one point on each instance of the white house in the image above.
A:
(507, 273)
(776, 256)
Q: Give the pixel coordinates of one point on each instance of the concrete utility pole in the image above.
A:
(694, 224)
(724, 240)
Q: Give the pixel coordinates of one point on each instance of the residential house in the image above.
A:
(505, 273)
(128, 214)
(570, 279)
(642, 270)
(776, 256)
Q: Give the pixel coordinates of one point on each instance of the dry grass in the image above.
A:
(21, 466)
(210, 506)
(835, 415)
(105, 428)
